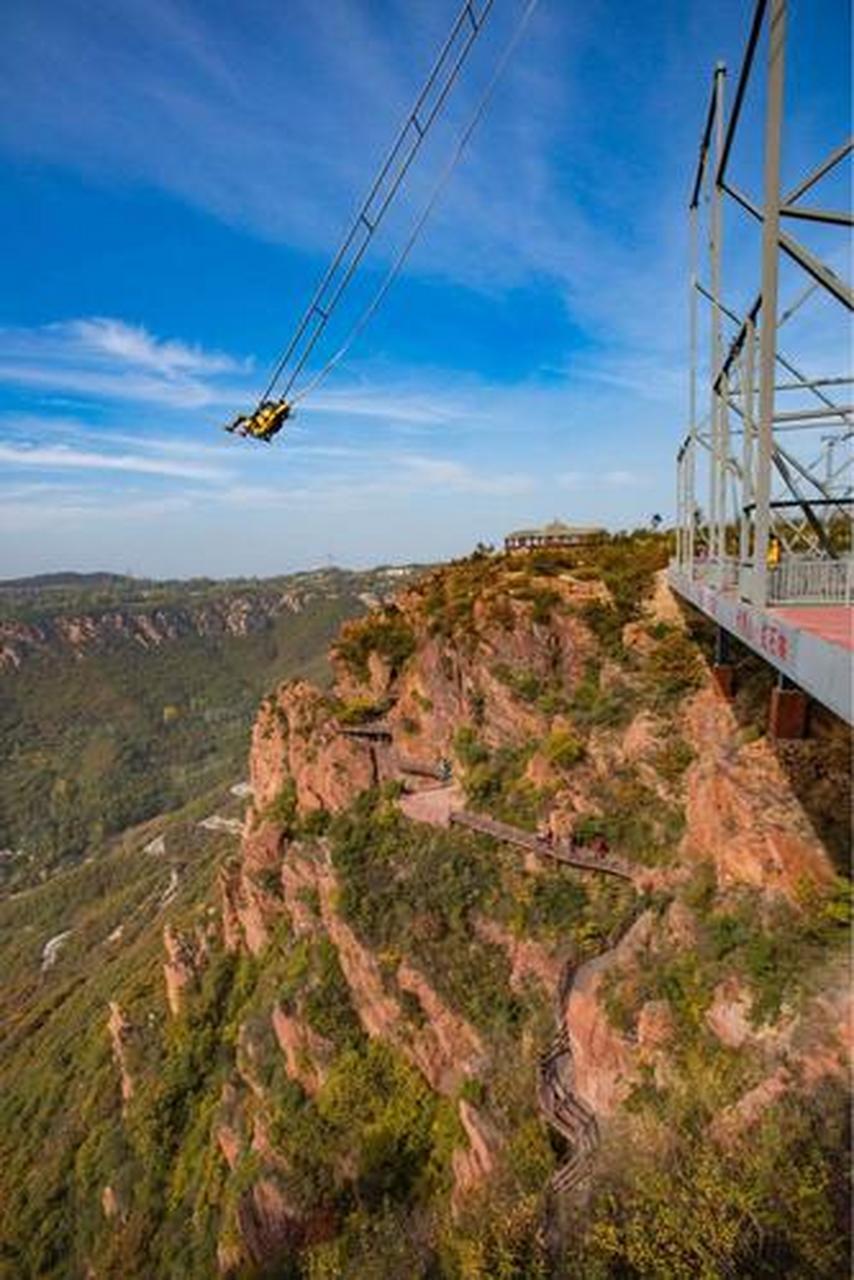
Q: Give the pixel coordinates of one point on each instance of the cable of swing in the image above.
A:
(445, 177)
(422, 128)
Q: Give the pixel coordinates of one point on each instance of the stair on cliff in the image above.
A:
(566, 1113)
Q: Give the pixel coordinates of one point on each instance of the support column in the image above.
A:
(722, 670)
(789, 710)
(770, 274)
(716, 249)
(690, 500)
(747, 513)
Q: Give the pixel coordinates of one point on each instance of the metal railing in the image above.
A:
(793, 581)
(811, 582)
(720, 574)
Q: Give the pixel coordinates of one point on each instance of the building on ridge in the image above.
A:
(554, 534)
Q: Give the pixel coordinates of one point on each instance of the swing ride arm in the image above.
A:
(270, 416)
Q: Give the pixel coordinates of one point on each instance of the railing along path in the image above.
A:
(564, 851)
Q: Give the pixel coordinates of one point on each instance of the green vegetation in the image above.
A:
(546, 694)
(95, 744)
(282, 810)
(386, 633)
(675, 1208)
(61, 1134)
(563, 749)
(495, 781)
(774, 950)
(674, 667)
(412, 892)
(593, 706)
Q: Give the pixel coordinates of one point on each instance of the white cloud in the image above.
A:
(61, 457)
(103, 358)
(134, 345)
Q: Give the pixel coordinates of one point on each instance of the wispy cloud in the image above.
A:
(61, 457)
(110, 359)
(134, 345)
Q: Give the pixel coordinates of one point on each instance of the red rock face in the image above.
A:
(306, 1053)
(296, 737)
(78, 634)
(268, 1223)
(472, 1165)
(605, 1064)
(121, 1034)
(741, 813)
(185, 958)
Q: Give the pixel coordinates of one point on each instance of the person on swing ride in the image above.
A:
(266, 422)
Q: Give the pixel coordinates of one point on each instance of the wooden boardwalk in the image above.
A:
(567, 1114)
(560, 851)
(376, 729)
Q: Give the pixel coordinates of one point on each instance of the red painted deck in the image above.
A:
(833, 622)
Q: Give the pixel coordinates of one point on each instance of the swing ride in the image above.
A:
(271, 413)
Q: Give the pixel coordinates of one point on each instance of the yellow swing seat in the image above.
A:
(266, 422)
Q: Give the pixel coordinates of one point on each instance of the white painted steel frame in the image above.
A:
(751, 497)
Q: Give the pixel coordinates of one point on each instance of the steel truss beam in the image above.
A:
(768, 502)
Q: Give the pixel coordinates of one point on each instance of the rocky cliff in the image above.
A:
(547, 717)
(528, 959)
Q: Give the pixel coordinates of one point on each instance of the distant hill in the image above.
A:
(121, 698)
(49, 581)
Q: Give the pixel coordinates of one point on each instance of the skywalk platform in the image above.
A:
(810, 644)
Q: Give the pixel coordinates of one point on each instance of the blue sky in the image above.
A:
(173, 178)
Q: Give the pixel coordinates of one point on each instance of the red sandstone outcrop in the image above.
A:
(450, 683)
(473, 1164)
(641, 738)
(229, 1144)
(306, 1052)
(296, 739)
(228, 1126)
(604, 1063)
(110, 1204)
(185, 958)
(528, 959)
(736, 1121)
(728, 1016)
(250, 893)
(268, 1221)
(78, 634)
(655, 1026)
(446, 1048)
(741, 813)
(121, 1035)
(469, 679)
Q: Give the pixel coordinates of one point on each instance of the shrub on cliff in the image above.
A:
(385, 632)
(682, 1207)
(674, 667)
(563, 749)
(411, 891)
